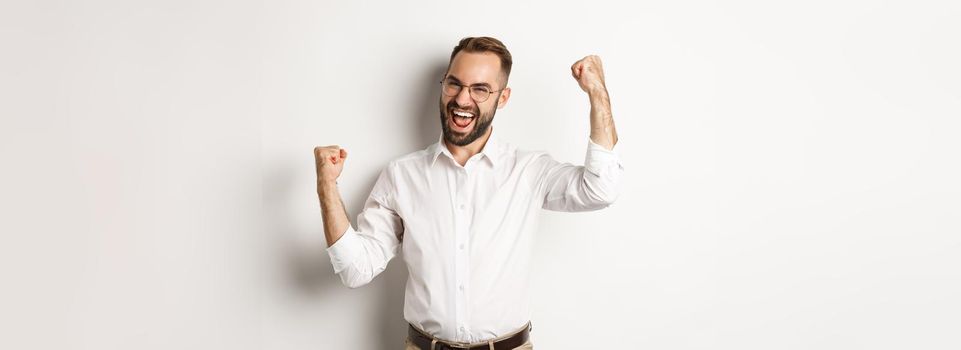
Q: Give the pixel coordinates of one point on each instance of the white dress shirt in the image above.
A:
(467, 232)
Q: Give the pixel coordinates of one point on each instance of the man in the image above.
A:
(464, 210)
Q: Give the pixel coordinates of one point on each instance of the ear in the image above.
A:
(505, 95)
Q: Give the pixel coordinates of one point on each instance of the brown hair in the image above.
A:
(485, 44)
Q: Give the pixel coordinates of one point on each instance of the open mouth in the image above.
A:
(462, 120)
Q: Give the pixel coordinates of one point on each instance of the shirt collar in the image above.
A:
(491, 150)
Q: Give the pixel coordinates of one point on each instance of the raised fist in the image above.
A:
(330, 162)
(589, 74)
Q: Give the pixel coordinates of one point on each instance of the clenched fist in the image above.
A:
(589, 74)
(330, 162)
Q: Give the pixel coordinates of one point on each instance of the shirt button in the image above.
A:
(462, 287)
(461, 207)
(462, 246)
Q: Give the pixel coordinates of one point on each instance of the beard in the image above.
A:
(482, 122)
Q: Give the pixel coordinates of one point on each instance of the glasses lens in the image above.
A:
(450, 88)
(480, 93)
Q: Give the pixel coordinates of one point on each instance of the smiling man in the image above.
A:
(464, 210)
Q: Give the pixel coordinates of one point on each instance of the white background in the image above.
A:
(792, 169)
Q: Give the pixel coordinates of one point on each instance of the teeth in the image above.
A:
(464, 114)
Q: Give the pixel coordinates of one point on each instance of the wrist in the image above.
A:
(597, 92)
(326, 185)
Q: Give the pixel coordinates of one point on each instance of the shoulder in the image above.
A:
(531, 159)
(398, 171)
(528, 156)
(410, 167)
(413, 160)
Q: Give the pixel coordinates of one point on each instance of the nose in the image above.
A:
(463, 98)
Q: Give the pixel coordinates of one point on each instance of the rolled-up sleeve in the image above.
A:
(595, 185)
(360, 255)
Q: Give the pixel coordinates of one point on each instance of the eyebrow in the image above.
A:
(451, 76)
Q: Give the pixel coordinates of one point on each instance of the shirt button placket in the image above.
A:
(461, 237)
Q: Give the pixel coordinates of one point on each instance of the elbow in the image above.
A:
(355, 285)
(605, 201)
(601, 194)
(357, 274)
(353, 276)
(354, 281)
(602, 185)
(609, 198)
(595, 201)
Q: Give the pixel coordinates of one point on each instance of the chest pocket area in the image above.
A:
(425, 213)
(506, 206)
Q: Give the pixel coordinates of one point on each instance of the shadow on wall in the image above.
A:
(425, 128)
(308, 267)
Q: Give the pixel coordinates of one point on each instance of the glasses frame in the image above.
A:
(469, 93)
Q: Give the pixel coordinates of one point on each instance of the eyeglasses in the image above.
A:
(479, 93)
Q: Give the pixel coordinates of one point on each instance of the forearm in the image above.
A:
(602, 121)
(333, 211)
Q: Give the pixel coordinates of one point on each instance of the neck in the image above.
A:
(463, 153)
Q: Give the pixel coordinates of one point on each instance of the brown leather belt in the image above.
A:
(423, 341)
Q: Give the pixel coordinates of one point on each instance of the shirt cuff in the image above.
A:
(345, 250)
(601, 161)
